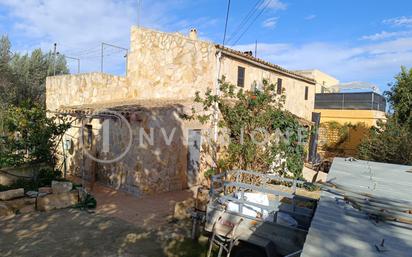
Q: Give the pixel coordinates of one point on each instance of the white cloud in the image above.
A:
(270, 23)
(310, 17)
(377, 62)
(385, 35)
(275, 4)
(399, 21)
(77, 25)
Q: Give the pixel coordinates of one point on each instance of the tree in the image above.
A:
(400, 97)
(23, 77)
(262, 136)
(388, 142)
(391, 141)
(31, 136)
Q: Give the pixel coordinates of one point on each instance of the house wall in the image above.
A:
(293, 89)
(146, 168)
(363, 119)
(369, 117)
(161, 66)
(169, 65)
(88, 88)
(322, 80)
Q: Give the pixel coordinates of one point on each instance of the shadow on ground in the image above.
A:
(75, 233)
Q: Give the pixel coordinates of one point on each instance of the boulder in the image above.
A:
(46, 190)
(11, 194)
(5, 211)
(28, 209)
(59, 187)
(202, 198)
(32, 194)
(183, 210)
(57, 201)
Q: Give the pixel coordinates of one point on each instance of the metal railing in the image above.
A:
(351, 101)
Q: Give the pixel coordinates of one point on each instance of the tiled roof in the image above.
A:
(270, 66)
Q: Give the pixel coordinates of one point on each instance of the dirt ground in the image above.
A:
(122, 225)
(149, 212)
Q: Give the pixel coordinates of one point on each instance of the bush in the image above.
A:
(43, 178)
(263, 136)
(388, 142)
(31, 136)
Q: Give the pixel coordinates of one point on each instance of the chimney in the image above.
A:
(193, 34)
(248, 53)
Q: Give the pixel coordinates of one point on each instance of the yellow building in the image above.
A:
(325, 83)
(346, 119)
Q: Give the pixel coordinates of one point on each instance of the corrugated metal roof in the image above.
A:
(338, 229)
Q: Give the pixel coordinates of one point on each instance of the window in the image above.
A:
(306, 93)
(279, 87)
(240, 76)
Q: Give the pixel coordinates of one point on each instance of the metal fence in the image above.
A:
(351, 101)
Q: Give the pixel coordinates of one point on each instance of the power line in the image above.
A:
(241, 35)
(227, 18)
(245, 19)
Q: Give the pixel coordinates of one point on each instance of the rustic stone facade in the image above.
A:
(163, 73)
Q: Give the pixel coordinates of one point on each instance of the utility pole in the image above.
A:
(256, 48)
(139, 7)
(101, 58)
(114, 46)
(54, 59)
(73, 58)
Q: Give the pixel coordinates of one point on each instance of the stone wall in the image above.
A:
(146, 168)
(87, 88)
(169, 65)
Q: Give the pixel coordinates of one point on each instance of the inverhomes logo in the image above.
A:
(116, 136)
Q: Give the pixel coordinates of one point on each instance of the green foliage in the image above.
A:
(391, 141)
(400, 97)
(342, 131)
(261, 132)
(43, 178)
(89, 202)
(31, 136)
(23, 77)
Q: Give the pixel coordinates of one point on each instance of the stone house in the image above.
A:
(164, 71)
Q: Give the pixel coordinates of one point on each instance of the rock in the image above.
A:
(57, 201)
(202, 198)
(5, 211)
(11, 194)
(28, 209)
(59, 187)
(32, 194)
(183, 210)
(47, 190)
(20, 203)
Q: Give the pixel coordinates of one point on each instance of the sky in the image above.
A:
(352, 40)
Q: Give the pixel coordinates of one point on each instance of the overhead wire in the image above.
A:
(250, 24)
(227, 19)
(245, 19)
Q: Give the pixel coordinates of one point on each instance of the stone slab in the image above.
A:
(5, 211)
(11, 194)
(20, 203)
(47, 190)
(57, 201)
(59, 187)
